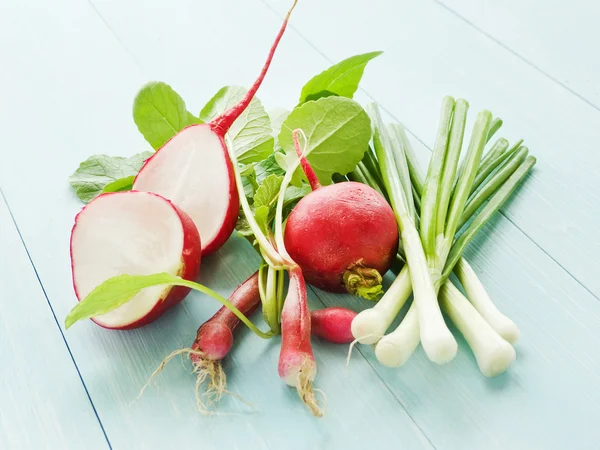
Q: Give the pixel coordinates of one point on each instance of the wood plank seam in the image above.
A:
(55, 318)
(114, 35)
(268, 6)
(376, 373)
(505, 47)
(311, 288)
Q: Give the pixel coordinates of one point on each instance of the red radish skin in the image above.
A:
(333, 324)
(343, 236)
(213, 342)
(215, 337)
(194, 169)
(297, 366)
(83, 230)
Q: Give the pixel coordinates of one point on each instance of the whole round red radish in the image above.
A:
(343, 236)
(194, 170)
(135, 233)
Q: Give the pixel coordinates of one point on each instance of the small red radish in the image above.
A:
(214, 340)
(193, 169)
(297, 366)
(343, 236)
(333, 324)
(135, 233)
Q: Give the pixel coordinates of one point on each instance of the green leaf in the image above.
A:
(338, 132)
(340, 79)
(242, 226)
(267, 167)
(113, 293)
(101, 173)
(122, 184)
(268, 191)
(288, 160)
(277, 116)
(118, 290)
(261, 215)
(160, 113)
(293, 193)
(250, 135)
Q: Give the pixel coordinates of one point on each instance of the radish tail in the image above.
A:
(222, 123)
(296, 361)
(306, 167)
(213, 343)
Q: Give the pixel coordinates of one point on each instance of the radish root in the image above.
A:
(304, 386)
(207, 371)
(355, 341)
(211, 371)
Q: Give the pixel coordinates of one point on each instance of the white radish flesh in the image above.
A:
(135, 233)
(193, 170)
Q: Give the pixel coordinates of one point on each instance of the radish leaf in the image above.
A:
(160, 113)
(250, 135)
(117, 291)
(101, 173)
(277, 116)
(267, 192)
(122, 184)
(340, 79)
(113, 293)
(338, 132)
(267, 167)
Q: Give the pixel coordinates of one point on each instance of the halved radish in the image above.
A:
(193, 169)
(135, 233)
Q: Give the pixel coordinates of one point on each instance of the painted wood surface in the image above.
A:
(43, 401)
(558, 38)
(75, 67)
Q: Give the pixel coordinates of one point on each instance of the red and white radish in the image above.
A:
(297, 366)
(333, 324)
(343, 236)
(135, 233)
(194, 170)
(214, 340)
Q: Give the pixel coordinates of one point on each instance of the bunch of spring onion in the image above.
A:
(438, 216)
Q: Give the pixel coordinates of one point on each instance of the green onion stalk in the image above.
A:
(451, 205)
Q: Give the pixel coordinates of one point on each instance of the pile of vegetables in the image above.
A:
(327, 194)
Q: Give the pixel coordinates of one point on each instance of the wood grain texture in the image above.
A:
(429, 53)
(43, 403)
(559, 38)
(80, 76)
(549, 398)
(84, 94)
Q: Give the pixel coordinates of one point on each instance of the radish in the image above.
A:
(333, 324)
(137, 233)
(343, 236)
(297, 366)
(193, 169)
(214, 340)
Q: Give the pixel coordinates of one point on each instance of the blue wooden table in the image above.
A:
(69, 71)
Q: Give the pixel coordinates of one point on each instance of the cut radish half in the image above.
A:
(194, 170)
(135, 233)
